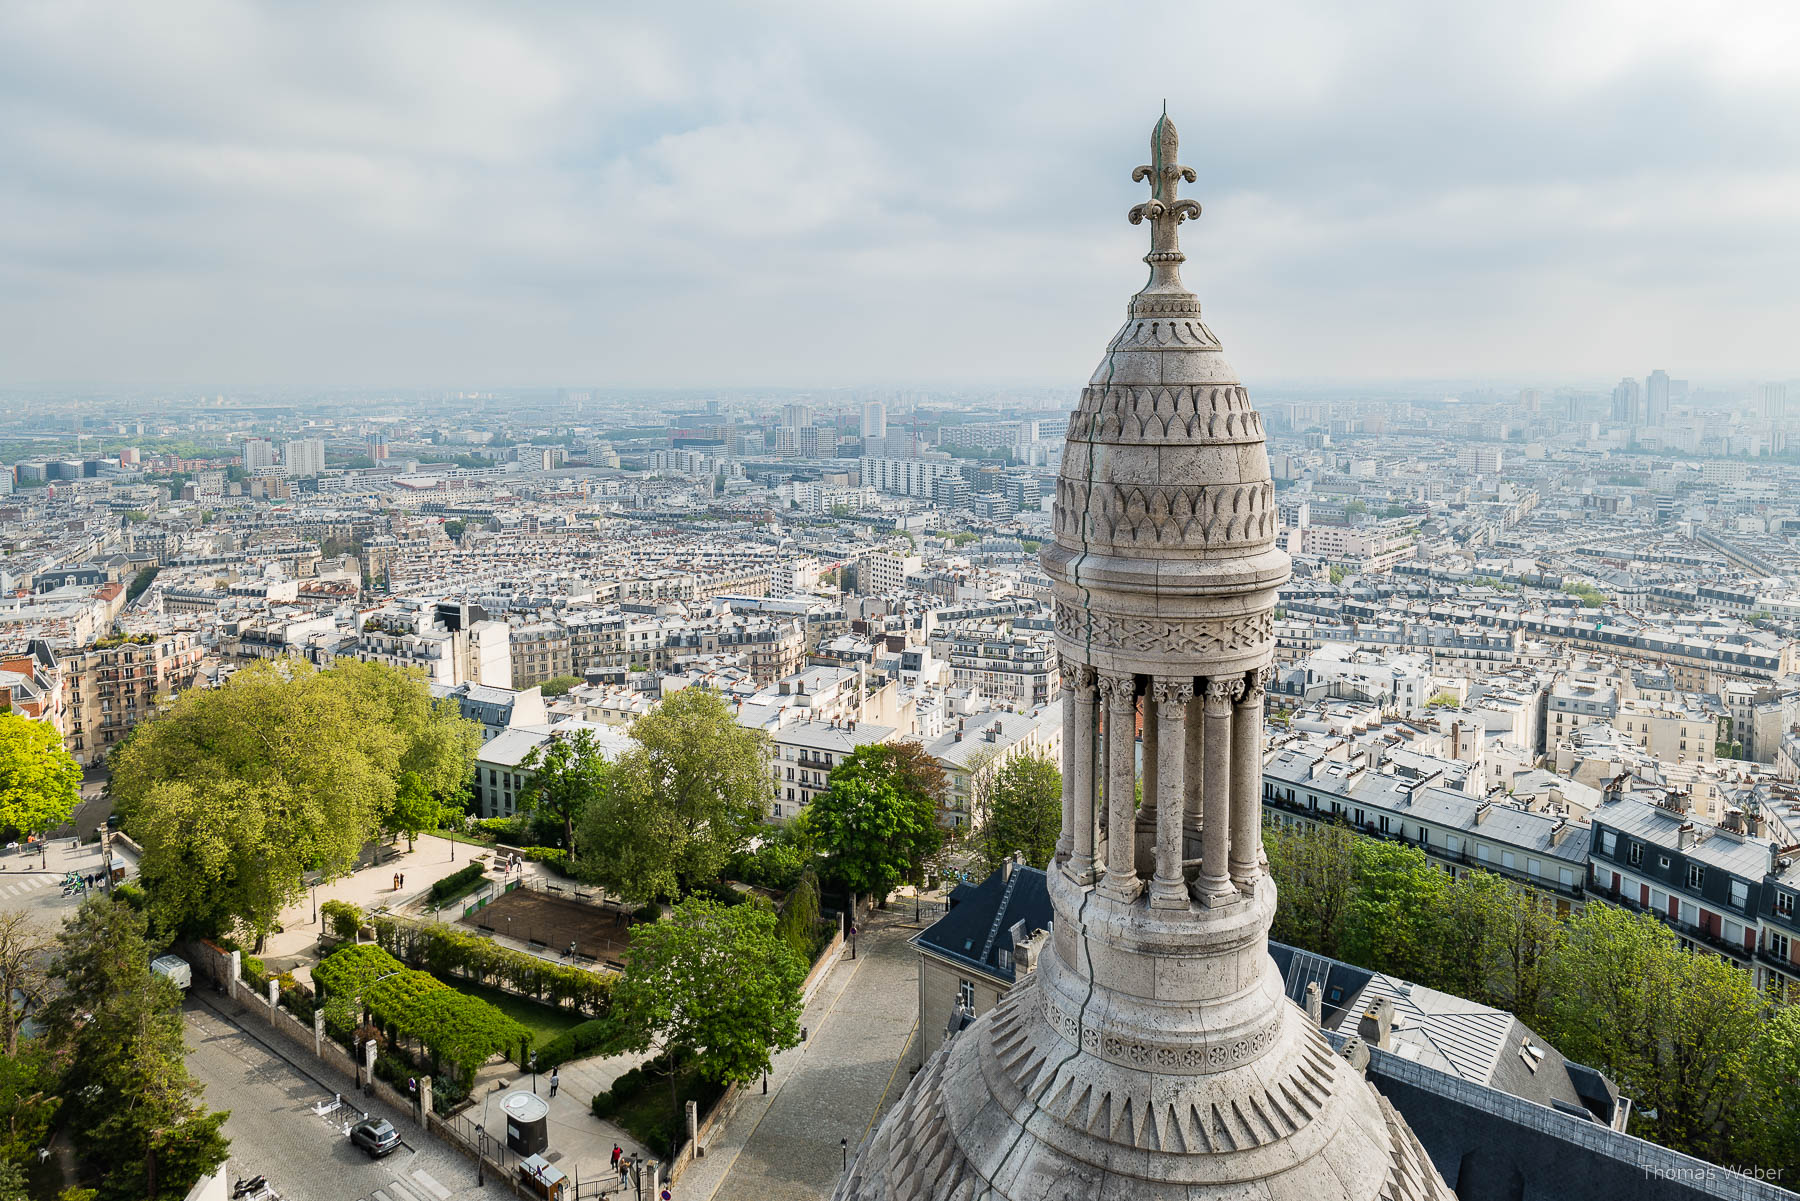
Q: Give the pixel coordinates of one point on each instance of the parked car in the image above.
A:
(377, 1136)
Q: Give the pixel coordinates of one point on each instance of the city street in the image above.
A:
(830, 1088)
(275, 1132)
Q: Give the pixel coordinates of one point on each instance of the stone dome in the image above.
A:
(1153, 1053)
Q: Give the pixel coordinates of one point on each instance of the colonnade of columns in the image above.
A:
(1200, 812)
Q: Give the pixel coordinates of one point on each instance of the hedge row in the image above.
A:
(596, 1036)
(448, 950)
(456, 883)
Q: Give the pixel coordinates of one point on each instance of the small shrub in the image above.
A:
(253, 970)
(555, 858)
(603, 1105)
(132, 895)
(649, 913)
(342, 918)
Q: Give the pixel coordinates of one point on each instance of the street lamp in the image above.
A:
(480, 1155)
(534, 1073)
(844, 1146)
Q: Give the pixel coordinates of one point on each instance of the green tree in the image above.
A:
(798, 924)
(875, 822)
(1020, 809)
(713, 981)
(559, 685)
(566, 773)
(39, 783)
(28, 1101)
(1393, 923)
(1313, 868)
(1673, 1027)
(679, 803)
(237, 791)
(132, 1106)
(23, 947)
(414, 810)
(1773, 1138)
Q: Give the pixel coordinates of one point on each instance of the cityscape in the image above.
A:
(1187, 780)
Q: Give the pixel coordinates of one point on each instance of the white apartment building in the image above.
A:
(304, 456)
(907, 477)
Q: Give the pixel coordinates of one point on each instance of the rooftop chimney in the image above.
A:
(1376, 1025)
(1684, 837)
(1315, 1005)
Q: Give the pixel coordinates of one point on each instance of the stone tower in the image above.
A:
(1153, 1054)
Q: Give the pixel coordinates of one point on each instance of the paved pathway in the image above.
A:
(431, 860)
(831, 1087)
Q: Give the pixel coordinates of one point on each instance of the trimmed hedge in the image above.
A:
(448, 950)
(456, 883)
(555, 858)
(596, 1036)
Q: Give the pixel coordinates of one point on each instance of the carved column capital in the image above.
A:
(1077, 676)
(1253, 689)
(1173, 694)
(1118, 690)
(1222, 691)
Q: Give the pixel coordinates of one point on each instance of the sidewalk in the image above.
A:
(580, 1143)
(369, 888)
(833, 1086)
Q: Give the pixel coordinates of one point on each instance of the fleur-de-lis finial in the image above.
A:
(1164, 210)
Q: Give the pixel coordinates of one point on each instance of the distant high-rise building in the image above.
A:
(796, 417)
(1481, 459)
(1531, 400)
(874, 419)
(304, 456)
(258, 452)
(1774, 401)
(1628, 403)
(378, 448)
(1656, 398)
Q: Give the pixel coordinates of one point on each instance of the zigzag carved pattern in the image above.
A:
(1173, 515)
(1181, 332)
(1165, 414)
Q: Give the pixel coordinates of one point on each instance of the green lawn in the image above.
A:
(544, 1021)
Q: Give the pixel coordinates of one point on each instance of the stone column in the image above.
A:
(1214, 886)
(319, 1031)
(1167, 888)
(1065, 841)
(1246, 783)
(1147, 776)
(1078, 776)
(1194, 764)
(1120, 693)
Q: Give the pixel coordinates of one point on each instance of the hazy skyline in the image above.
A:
(818, 195)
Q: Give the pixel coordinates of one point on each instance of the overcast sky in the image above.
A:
(915, 192)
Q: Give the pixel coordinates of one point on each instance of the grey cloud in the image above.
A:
(815, 193)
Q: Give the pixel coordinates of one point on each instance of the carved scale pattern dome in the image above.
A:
(1153, 1054)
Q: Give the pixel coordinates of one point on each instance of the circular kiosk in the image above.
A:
(527, 1122)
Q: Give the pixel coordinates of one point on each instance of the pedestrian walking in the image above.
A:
(617, 1151)
(553, 1081)
(402, 879)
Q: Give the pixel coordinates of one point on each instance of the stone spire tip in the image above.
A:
(1164, 210)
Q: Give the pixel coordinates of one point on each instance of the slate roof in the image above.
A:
(978, 925)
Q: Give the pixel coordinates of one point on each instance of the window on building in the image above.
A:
(1740, 894)
(1635, 855)
(1481, 852)
(1784, 904)
(1609, 842)
(1662, 861)
(965, 995)
(1508, 860)
(1776, 944)
(1696, 875)
(1566, 877)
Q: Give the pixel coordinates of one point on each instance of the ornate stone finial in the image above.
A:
(1163, 210)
